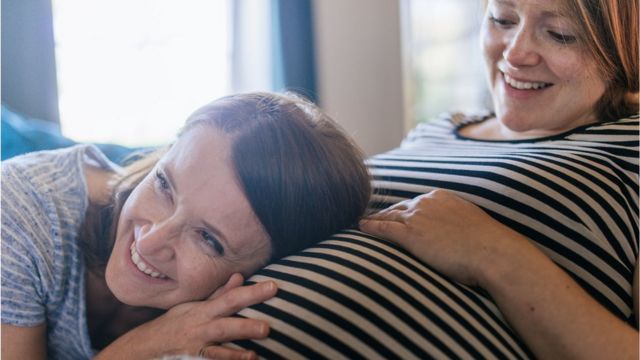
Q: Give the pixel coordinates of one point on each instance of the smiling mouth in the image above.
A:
(524, 85)
(142, 266)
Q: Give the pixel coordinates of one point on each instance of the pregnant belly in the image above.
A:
(354, 296)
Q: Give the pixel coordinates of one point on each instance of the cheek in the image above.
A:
(490, 46)
(127, 213)
(202, 275)
(582, 77)
(141, 202)
(130, 203)
(596, 84)
(566, 65)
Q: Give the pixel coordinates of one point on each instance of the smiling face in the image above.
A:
(186, 227)
(542, 80)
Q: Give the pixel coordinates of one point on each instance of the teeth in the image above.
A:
(135, 257)
(524, 85)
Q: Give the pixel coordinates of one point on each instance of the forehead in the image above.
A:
(206, 185)
(201, 149)
(546, 7)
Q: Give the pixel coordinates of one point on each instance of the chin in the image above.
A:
(118, 286)
(517, 127)
(114, 284)
(515, 122)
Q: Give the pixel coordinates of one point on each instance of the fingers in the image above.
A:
(394, 212)
(390, 222)
(388, 215)
(235, 280)
(402, 205)
(235, 328)
(386, 229)
(239, 298)
(220, 352)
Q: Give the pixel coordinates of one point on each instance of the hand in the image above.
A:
(220, 352)
(197, 328)
(450, 234)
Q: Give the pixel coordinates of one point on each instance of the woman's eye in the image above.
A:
(162, 181)
(500, 21)
(562, 38)
(212, 241)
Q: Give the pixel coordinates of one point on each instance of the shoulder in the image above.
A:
(43, 193)
(626, 129)
(42, 181)
(618, 140)
(631, 123)
(55, 174)
(44, 198)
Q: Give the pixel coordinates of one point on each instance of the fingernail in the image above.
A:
(263, 329)
(270, 286)
(249, 356)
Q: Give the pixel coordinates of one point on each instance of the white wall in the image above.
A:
(359, 64)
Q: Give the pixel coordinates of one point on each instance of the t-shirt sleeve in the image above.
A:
(24, 232)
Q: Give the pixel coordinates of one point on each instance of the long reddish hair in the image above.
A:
(609, 30)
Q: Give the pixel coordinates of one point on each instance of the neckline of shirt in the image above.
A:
(474, 120)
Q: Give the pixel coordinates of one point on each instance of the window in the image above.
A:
(446, 67)
(131, 71)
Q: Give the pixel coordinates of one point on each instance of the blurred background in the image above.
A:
(128, 72)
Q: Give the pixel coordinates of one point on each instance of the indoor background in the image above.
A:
(129, 72)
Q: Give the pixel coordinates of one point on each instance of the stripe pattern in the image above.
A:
(355, 296)
(358, 297)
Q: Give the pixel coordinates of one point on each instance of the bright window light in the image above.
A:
(447, 72)
(131, 71)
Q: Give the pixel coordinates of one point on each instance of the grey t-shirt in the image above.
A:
(44, 200)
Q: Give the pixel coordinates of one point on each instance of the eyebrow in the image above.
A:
(553, 14)
(214, 229)
(505, 2)
(545, 13)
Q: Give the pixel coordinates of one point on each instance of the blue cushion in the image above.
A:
(21, 134)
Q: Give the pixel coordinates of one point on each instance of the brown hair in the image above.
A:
(610, 33)
(304, 178)
(98, 231)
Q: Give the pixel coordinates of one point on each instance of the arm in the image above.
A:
(24, 342)
(549, 310)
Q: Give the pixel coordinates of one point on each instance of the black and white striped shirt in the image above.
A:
(354, 296)
(574, 194)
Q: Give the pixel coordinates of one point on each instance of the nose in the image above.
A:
(155, 240)
(521, 49)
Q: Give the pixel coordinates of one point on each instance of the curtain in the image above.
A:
(293, 58)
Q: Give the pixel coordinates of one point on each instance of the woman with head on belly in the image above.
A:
(148, 260)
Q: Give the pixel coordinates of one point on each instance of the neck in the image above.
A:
(107, 317)
(493, 129)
